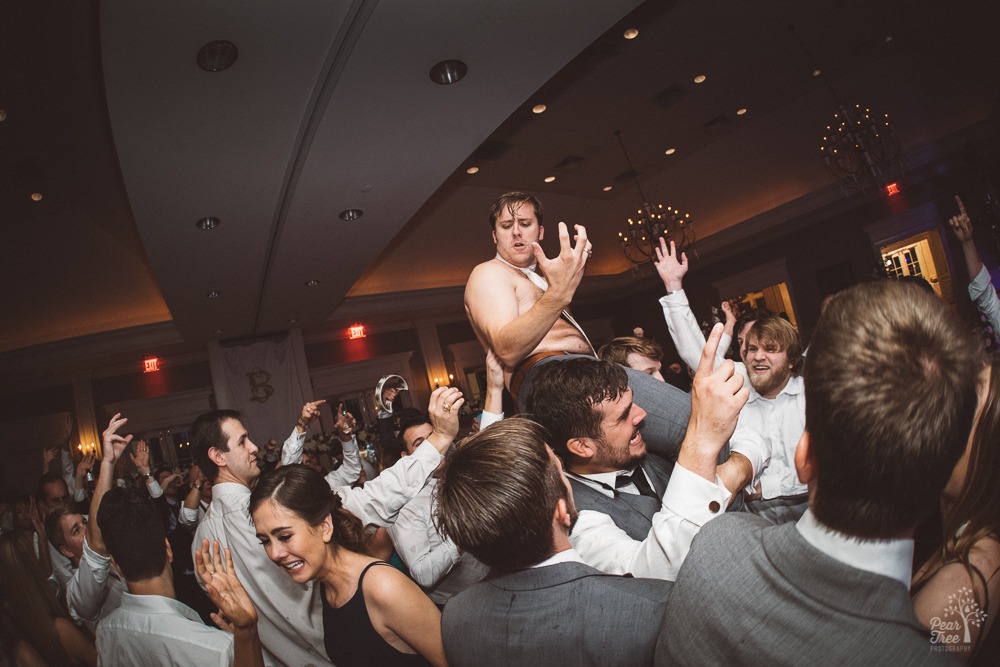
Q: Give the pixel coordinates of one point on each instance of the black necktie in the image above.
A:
(638, 478)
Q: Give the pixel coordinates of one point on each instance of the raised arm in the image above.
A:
(291, 451)
(493, 402)
(684, 329)
(114, 445)
(349, 470)
(980, 288)
(491, 300)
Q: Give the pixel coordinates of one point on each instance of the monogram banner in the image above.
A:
(267, 381)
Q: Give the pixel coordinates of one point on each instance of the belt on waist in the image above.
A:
(526, 364)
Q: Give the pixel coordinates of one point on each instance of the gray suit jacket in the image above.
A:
(566, 614)
(751, 593)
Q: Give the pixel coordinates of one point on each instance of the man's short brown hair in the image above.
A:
(618, 349)
(773, 329)
(497, 494)
(510, 201)
(890, 384)
(52, 528)
(564, 395)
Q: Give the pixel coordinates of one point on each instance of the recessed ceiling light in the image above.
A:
(312, 283)
(207, 223)
(607, 188)
(36, 196)
(351, 214)
(449, 71)
(538, 108)
(670, 151)
(631, 33)
(214, 294)
(3, 115)
(293, 321)
(217, 332)
(549, 179)
(217, 56)
(888, 38)
(472, 170)
(741, 111)
(817, 72)
(700, 78)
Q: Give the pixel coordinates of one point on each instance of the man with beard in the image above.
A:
(641, 510)
(503, 499)
(776, 410)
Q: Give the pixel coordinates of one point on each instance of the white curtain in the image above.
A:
(267, 381)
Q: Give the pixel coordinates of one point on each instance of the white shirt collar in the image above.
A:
(890, 558)
(606, 482)
(568, 556)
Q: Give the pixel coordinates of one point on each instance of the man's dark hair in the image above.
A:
(890, 384)
(563, 395)
(55, 514)
(133, 533)
(45, 480)
(206, 433)
(413, 420)
(509, 202)
(497, 494)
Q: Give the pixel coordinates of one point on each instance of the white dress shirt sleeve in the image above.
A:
(291, 451)
(69, 476)
(187, 517)
(684, 330)
(380, 499)
(689, 502)
(86, 590)
(981, 291)
(750, 444)
(489, 418)
(428, 556)
(349, 470)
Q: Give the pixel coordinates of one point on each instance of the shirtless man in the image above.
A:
(526, 324)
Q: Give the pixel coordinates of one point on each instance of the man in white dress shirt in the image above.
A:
(290, 616)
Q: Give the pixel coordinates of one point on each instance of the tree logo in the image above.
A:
(961, 614)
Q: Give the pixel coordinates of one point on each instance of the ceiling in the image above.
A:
(330, 107)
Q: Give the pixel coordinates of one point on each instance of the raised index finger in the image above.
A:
(707, 361)
(961, 206)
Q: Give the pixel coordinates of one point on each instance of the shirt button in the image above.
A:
(714, 506)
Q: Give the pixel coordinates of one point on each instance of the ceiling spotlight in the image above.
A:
(217, 56)
(208, 223)
(3, 115)
(741, 111)
(817, 72)
(217, 332)
(700, 78)
(351, 214)
(472, 170)
(538, 108)
(36, 196)
(670, 151)
(214, 294)
(631, 33)
(293, 321)
(607, 188)
(312, 283)
(888, 38)
(549, 179)
(449, 71)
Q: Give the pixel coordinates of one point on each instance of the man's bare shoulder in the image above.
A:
(490, 273)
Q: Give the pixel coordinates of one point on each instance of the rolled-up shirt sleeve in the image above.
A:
(350, 469)
(982, 293)
(689, 502)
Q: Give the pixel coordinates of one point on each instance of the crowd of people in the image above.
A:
(767, 517)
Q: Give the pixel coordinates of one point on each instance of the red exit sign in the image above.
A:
(357, 331)
(892, 189)
(150, 365)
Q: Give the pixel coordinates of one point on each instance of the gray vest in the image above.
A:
(630, 512)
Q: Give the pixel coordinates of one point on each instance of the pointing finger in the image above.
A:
(707, 361)
(961, 206)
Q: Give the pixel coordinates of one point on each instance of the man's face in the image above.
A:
(620, 446)
(741, 340)
(52, 493)
(645, 364)
(513, 234)
(767, 366)
(169, 490)
(73, 527)
(415, 435)
(241, 459)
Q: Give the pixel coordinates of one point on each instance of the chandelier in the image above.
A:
(641, 236)
(858, 145)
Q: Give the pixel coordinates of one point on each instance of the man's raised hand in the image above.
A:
(670, 267)
(961, 224)
(114, 444)
(565, 271)
(443, 412)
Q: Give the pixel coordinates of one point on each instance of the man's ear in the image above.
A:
(170, 552)
(541, 232)
(66, 552)
(216, 455)
(582, 448)
(805, 465)
(561, 514)
(494, 236)
(114, 564)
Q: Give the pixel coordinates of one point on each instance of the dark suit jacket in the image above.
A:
(751, 593)
(565, 614)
